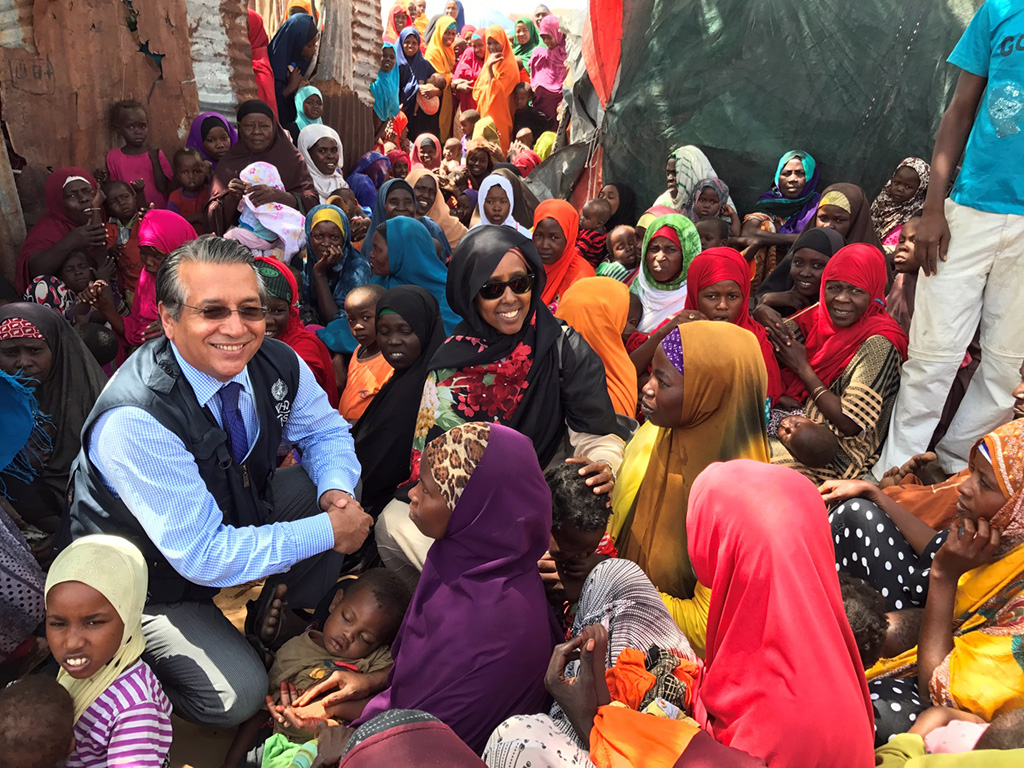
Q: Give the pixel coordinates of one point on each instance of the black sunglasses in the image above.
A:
(251, 314)
(494, 289)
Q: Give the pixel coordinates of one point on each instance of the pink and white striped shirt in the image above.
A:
(129, 724)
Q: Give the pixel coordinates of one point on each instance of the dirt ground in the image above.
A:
(194, 746)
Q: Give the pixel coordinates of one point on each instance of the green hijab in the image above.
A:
(523, 52)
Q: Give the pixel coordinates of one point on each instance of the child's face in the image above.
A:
(464, 209)
(356, 626)
(467, 125)
(525, 136)
(806, 270)
(133, 127)
(523, 97)
(904, 185)
(572, 550)
(217, 143)
(834, 217)
(453, 150)
(325, 156)
(277, 316)
(549, 240)
(721, 301)
(497, 206)
(398, 341)
(636, 313)
(591, 217)
(387, 59)
(361, 308)
(459, 46)
(428, 153)
(190, 172)
(151, 258)
(623, 245)
(313, 107)
(905, 259)
(427, 508)
(791, 426)
(82, 627)
(710, 234)
(707, 203)
(76, 272)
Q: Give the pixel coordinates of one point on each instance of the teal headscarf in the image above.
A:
(300, 98)
(385, 89)
(412, 260)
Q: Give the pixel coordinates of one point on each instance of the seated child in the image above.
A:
(451, 161)
(528, 116)
(136, 162)
(811, 443)
(714, 233)
(358, 217)
(707, 203)
(525, 137)
(865, 610)
(191, 198)
(160, 233)
(579, 518)
(623, 255)
(900, 301)
(123, 230)
(590, 241)
(95, 593)
(368, 370)
(37, 720)
(364, 617)
(465, 205)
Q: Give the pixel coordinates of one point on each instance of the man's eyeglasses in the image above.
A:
(496, 288)
(250, 314)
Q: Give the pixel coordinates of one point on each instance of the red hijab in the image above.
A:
(54, 225)
(259, 42)
(571, 266)
(782, 677)
(830, 349)
(713, 266)
(306, 345)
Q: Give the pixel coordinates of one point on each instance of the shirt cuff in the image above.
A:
(312, 536)
(333, 481)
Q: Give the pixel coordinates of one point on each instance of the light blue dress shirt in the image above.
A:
(151, 470)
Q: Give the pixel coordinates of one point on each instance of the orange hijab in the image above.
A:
(571, 267)
(493, 93)
(597, 307)
(441, 58)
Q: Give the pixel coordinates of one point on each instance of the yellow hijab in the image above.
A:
(115, 568)
(984, 673)
(441, 57)
(597, 307)
(725, 386)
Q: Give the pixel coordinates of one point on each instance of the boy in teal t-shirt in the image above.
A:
(972, 249)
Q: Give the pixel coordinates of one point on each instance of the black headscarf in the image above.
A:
(626, 213)
(823, 240)
(383, 435)
(543, 413)
(67, 394)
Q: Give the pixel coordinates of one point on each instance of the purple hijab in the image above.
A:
(478, 635)
(196, 133)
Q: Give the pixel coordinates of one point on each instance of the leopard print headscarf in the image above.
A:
(452, 457)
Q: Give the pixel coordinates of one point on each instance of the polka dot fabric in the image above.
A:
(897, 704)
(871, 547)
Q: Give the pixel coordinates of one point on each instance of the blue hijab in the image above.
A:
(385, 89)
(284, 51)
(412, 260)
(380, 216)
(352, 271)
(460, 19)
(412, 71)
(301, 121)
(365, 191)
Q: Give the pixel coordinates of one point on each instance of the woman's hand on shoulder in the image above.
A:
(599, 475)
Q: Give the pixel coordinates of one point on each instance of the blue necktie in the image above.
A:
(232, 418)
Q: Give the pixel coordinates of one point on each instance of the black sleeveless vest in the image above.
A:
(151, 379)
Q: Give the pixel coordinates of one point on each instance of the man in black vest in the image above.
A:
(179, 456)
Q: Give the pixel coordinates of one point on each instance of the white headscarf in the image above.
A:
(497, 180)
(325, 184)
(115, 568)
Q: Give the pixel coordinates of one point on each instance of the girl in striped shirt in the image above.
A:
(95, 593)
